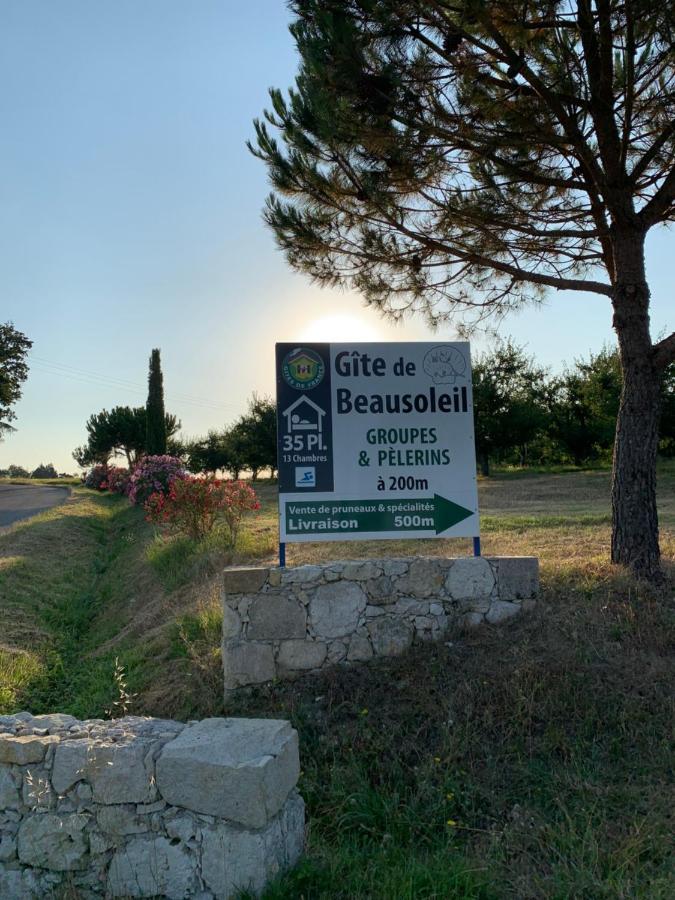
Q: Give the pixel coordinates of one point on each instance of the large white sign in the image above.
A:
(375, 441)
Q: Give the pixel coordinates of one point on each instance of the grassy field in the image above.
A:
(530, 761)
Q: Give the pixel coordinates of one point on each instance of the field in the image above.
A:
(530, 761)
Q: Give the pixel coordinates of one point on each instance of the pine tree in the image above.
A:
(458, 155)
(155, 424)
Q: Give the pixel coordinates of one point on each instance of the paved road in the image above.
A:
(20, 501)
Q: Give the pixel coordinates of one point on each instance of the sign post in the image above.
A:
(375, 441)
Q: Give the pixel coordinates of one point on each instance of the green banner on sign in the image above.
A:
(432, 514)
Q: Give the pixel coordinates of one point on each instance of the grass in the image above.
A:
(534, 760)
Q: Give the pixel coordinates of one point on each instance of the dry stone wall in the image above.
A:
(279, 622)
(140, 807)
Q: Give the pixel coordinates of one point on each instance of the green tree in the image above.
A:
(14, 347)
(468, 154)
(120, 430)
(218, 451)
(207, 455)
(155, 422)
(257, 434)
(585, 405)
(509, 395)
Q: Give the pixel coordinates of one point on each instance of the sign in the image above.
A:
(375, 441)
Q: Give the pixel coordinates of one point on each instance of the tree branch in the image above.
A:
(660, 203)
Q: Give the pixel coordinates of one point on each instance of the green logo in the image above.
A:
(303, 369)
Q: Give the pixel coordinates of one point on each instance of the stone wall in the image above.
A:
(140, 807)
(280, 622)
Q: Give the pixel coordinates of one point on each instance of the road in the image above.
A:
(20, 501)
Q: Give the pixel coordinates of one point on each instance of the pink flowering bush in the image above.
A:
(192, 506)
(118, 480)
(97, 477)
(154, 475)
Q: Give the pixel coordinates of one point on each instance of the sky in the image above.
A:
(130, 218)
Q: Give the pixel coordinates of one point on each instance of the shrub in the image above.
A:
(118, 480)
(45, 471)
(192, 506)
(97, 478)
(241, 498)
(154, 475)
(18, 472)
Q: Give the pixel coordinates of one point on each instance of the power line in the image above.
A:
(84, 376)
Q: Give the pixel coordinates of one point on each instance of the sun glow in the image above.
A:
(339, 328)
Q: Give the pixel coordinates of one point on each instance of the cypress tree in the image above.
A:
(155, 419)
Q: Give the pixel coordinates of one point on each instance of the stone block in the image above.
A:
(9, 790)
(475, 604)
(423, 623)
(7, 847)
(242, 580)
(380, 590)
(360, 571)
(303, 654)
(245, 662)
(234, 860)
(471, 620)
(439, 627)
(120, 820)
(273, 617)
(231, 622)
(118, 772)
(301, 574)
(373, 611)
(99, 843)
(470, 578)
(517, 577)
(18, 885)
(25, 749)
(238, 769)
(390, 637)
(53, 721)
(337, 650)
(500, 611)
(153, 867)
(424, 579)
(335, 608)
(184, 827)
(395, 567)
(360, 648)
(51, 841)
(36, 791)
(70, 764)
(409, 606)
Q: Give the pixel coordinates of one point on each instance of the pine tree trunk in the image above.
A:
(635, 530)
(484, 464)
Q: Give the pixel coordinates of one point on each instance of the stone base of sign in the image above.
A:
(278, 623)
(139, 807)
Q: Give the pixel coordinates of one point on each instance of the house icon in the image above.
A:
(304, 415)
(302, 366)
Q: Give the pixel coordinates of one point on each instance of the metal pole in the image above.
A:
(476, 546)
(282, 555)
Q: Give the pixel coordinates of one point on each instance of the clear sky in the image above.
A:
(130, 219)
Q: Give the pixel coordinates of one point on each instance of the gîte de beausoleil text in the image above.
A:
(358, 364)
